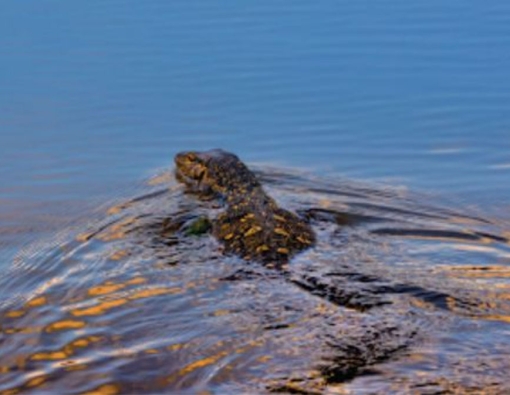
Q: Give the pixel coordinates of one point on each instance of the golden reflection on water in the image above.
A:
(118, 208)
(114, 231)
(37, 302)
(106, 389)
(117, 231)
(220, 350)
(100, 308)
(15, 314)
(110, 287)
(119, 255)
(469, 271)
(159, 179)
(84, 319)
(67, 355)
(199, 364)
(68, 350)
(65, 325)
(103, 307)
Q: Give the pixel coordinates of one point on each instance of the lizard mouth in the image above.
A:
(188, 171)
(192, 177)
(192, 180)
(192, 171)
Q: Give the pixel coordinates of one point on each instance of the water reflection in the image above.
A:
(399, 290)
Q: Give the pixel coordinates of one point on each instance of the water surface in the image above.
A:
(97, 97)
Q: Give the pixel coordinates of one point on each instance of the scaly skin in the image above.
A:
(252, 226)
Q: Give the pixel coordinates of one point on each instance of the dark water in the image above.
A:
(404, 105)
(399, 294)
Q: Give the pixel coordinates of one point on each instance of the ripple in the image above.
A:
(128, 303)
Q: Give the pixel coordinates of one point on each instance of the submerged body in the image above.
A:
(252, 226)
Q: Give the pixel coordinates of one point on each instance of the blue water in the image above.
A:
(96, 97)
(95, 94)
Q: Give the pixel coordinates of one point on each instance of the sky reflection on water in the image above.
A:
(101, 91)
(96, 97)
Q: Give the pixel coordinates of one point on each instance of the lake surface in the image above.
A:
(404, 102)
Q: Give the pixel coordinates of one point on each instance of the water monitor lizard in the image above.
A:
(252, 226)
